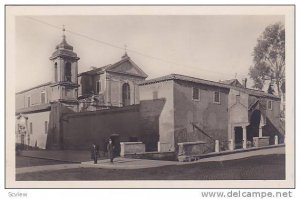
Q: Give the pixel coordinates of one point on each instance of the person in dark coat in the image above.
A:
(94, 153)
(110, 150)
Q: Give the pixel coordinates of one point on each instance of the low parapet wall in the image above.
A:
(261, 141)
(171, 156)
(189, 149)
(131, 148)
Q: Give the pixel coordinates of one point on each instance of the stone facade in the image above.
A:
(73, 111)
(201, 110)
(115, 85)
(163, 90)
(43, 105)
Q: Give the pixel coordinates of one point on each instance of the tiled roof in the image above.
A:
(207, 82)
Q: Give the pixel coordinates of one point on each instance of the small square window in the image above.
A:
(217, 97)
(196, 93)
(270, 104)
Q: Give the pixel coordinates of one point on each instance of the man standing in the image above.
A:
(110, 150)
(94, 153)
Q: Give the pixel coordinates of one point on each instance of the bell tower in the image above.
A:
(65, 71)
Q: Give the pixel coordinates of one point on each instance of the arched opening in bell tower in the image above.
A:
(55, 72)
(68, 72)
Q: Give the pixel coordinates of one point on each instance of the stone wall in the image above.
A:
(187, 150)
(261, 141)
(80, 130)
(162, 90)
(169, 156)
(132, 148)
(211, 117)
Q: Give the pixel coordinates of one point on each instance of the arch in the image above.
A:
(68, 72)
(55, 72)
(126, 94)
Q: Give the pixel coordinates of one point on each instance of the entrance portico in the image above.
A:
(239, 135)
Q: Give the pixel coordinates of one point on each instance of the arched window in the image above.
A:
(55, 72)
(126, 94)
(68, 72)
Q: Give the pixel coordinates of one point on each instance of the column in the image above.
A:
(244, 137)
(108, 91)
(276, 140)
(217, 146)
(231, 144)
(260, 131)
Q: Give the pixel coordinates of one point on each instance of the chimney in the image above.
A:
(244, 80)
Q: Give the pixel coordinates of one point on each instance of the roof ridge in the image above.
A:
(40, 85)
(213, 83)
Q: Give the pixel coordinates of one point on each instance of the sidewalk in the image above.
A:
(127, 163)
(74, 156)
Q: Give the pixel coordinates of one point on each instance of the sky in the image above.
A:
(209, 47)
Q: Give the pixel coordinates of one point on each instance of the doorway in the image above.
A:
(238, 137)
(253, 128)
(115, 138)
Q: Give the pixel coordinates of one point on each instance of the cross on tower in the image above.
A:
(125, 48)
(125, 54)
(63, 29)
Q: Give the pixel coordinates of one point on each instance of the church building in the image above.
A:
(74, 110)
(40, 106)
(114, 85)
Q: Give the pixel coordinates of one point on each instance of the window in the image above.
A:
(126, 94)
(196, 94)
(46, 127)
(155, 94)
(43, 97)
(98, 86)
(28, 101)
(270, 104)
(217, 97)
(30, 128)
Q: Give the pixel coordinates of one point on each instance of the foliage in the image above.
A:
(269, 58)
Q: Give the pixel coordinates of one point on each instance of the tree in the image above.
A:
(269, 58)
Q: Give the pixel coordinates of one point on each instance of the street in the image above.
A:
(267, 167)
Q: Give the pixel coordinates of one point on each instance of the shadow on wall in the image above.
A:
(150, 111)
(54, 134)
(131, 123)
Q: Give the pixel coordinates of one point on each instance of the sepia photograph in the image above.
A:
(150, 96)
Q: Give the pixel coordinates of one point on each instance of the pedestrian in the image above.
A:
(94, 153)
(110, 150)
